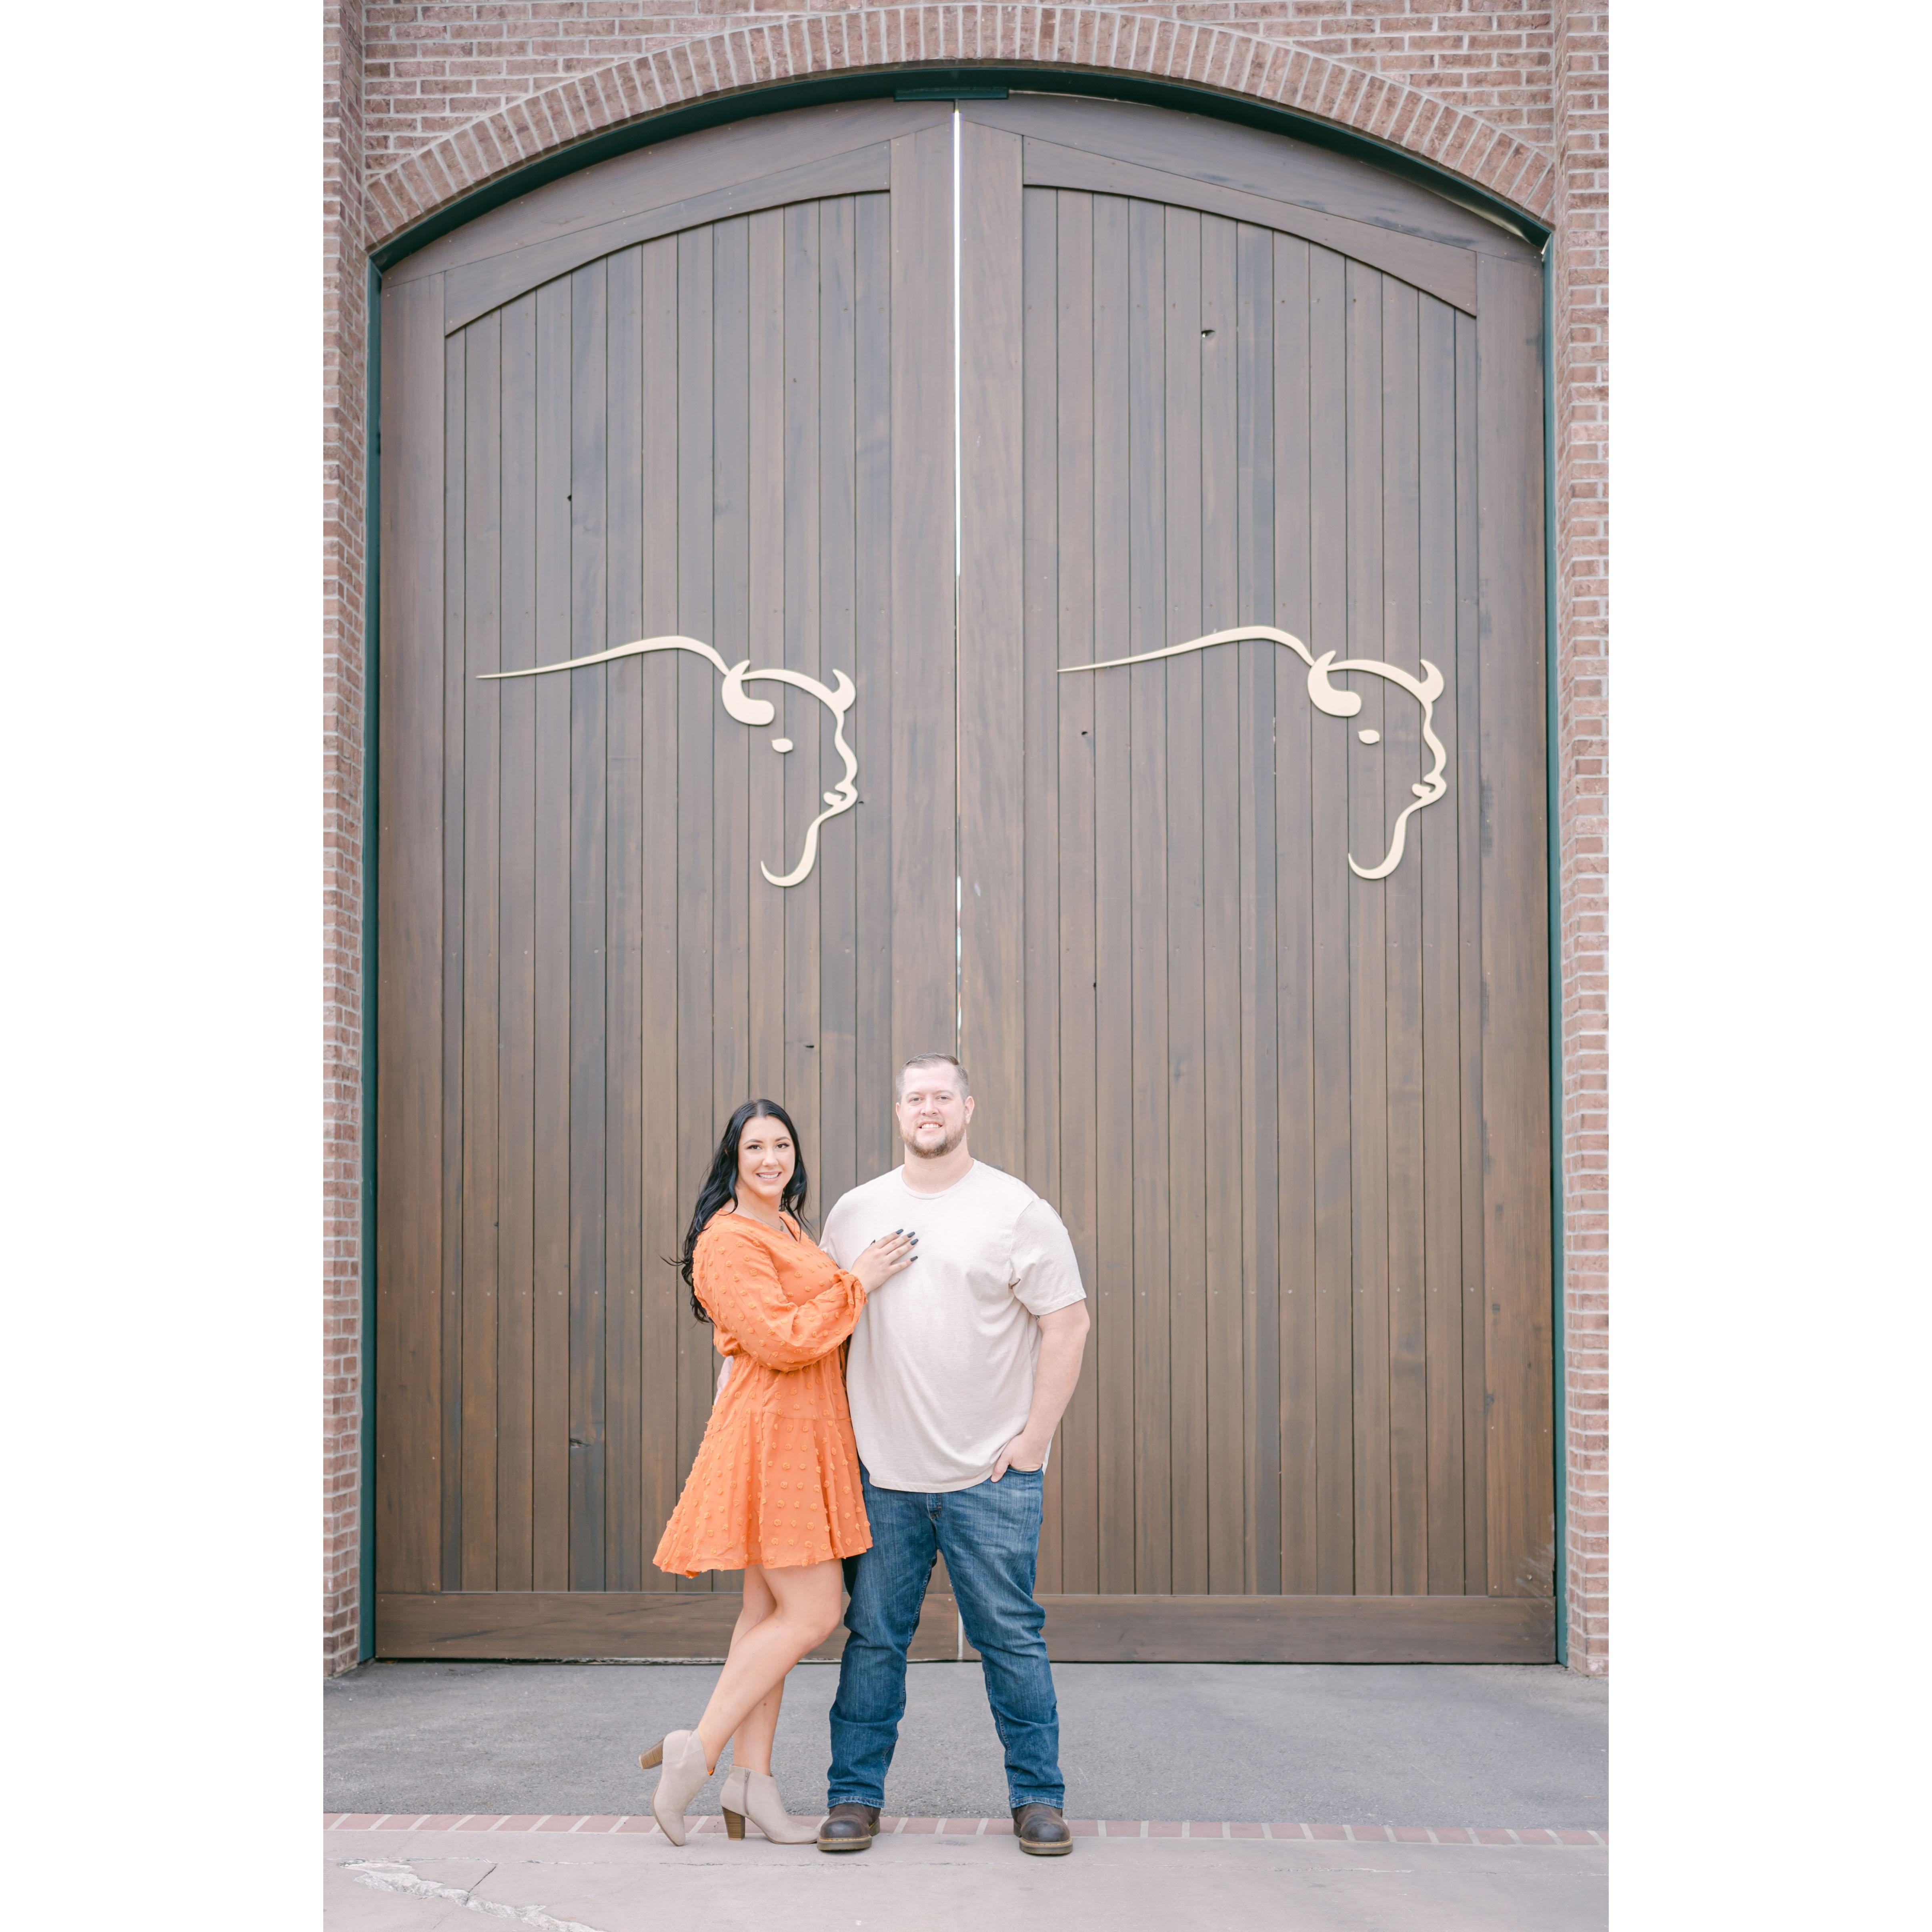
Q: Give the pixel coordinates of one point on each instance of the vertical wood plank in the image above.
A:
(764, 564)
(1263, 1288)
(1299, 969)
(1402, 765)
(1062, 372)
(455, 590)
(589, 767)
(1329, 824)
(1148, 813)
(409, 1099)
(925, 893)
(1469, 940)
(993, 747)
(731, 588)
(875, 736)
(482, 567)
(1037, 812)
(696, 863)
(516, 953)
(1117, 1299)
(836, 373)
(626, 1017)
(1437, 855)
(550, 1363)
(1515, 1008)
(664, 1310)
(801, 548)
(1229, 1423)
(1181, 512)
(1368, 1074)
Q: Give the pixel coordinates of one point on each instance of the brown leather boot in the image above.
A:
(848, 1827)
(1041, 1830)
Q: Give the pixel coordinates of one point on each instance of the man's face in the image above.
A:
(932, 1112)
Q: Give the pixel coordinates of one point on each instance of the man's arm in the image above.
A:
(1063, 1340)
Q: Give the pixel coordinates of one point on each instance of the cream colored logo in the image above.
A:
(1330, 697)
(757, 711)
(1325, 694)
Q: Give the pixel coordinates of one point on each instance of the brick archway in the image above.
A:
(1093, 38)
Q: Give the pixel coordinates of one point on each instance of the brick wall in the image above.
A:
(1580, 298)
(345, 385)
(434, 67)
(425, 100)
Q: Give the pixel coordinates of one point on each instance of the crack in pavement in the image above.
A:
(384, 1876)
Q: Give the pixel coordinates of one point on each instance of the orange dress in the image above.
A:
(776, 1480)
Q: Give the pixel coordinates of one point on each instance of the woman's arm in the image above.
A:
(738, 1281)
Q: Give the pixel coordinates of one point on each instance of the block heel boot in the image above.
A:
(754, 1794)
(684, 1775)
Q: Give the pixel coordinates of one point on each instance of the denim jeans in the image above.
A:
(989, 1535)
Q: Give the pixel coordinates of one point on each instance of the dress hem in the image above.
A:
(737, 1560)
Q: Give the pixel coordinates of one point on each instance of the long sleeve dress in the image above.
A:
(776, 1480)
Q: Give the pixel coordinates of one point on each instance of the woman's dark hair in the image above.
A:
(721, 1184)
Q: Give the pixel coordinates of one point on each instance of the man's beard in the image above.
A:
(939, 1152)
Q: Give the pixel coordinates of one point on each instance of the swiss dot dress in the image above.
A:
(776, 1480)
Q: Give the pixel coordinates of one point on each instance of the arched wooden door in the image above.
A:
(1296, 1118)
(1208, 378)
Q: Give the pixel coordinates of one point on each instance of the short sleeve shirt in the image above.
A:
(940, 1376)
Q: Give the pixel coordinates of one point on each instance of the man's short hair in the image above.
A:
(929, 1060)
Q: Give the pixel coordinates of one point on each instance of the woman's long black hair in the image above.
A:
(721, 1184)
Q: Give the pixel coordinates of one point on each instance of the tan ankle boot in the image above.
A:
(684, 1775)
(754, 1794)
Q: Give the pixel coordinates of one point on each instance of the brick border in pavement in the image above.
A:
(955, 1827)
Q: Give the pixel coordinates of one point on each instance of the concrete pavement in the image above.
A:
(1346, 1743)
(435, 1881)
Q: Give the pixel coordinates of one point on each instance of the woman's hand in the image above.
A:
(885, 1258)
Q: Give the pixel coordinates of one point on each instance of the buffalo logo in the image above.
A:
(757, 711)
(1328, 696)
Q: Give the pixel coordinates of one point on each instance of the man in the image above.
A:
(960, 1370)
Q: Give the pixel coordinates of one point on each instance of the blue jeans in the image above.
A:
(990, 1536)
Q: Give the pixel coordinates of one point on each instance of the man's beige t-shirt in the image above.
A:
(941, 1374)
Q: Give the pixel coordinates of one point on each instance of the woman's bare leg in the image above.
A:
(751, 1742)
(808, 1606)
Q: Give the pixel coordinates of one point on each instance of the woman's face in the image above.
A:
(765, 1160)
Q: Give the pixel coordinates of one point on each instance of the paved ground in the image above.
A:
(435, 1882)
(1361, 1744)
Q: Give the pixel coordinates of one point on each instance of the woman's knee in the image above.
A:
(813, 1606)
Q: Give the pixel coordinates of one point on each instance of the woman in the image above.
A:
(775, 1489)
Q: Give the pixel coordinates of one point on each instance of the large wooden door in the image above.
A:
(704, 390)
(1295, 1117)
